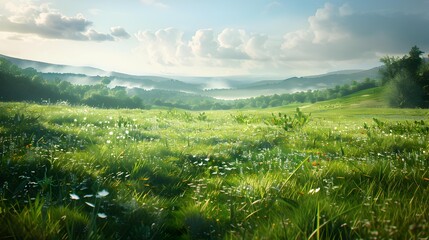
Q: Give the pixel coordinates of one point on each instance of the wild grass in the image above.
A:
(84, 173)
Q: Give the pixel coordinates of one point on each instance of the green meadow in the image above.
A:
(348, 168)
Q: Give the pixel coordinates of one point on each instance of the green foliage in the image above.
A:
(310, 96)
(241, 118)
(187, 116)
(404, 92)
(202, 116)
(403, 128)
(391, 68)
(27, 85)
(398, 137)
(289, 123)
(106, 81)
(37, 224)
(408, 80)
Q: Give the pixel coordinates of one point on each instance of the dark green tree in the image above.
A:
(413, 62)
(408, 79)
(392, 66)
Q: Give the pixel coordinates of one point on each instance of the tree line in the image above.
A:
(28, 85)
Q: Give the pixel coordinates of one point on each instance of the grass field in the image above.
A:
(356, 170)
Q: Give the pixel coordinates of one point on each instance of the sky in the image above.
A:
(258, 38)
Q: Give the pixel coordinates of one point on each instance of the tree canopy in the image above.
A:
(407, 79)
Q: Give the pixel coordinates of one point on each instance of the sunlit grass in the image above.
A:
(159, 174)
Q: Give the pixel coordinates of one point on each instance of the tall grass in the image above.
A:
(83, 173)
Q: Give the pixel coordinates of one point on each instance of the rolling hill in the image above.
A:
(220, 87)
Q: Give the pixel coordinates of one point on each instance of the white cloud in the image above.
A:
(231, 50)
(336, 37)
(119, 32)
(231, 38)
(338, 34)
(232, 44)
(257, 48)
(324, 27)
(165, 46)
(204, 44)
(27, 18)
(55, 25)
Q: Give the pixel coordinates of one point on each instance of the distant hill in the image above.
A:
(296, 84)
(91, 76)
(219, 87)
(54, 68)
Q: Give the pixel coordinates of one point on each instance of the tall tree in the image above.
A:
(408, 78)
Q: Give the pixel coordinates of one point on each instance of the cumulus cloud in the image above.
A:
(204, 44)
(334, 37)
(45, 22)
(228, 52)
(165, 46)
(339, 33)
(257, 48)
(231, 44)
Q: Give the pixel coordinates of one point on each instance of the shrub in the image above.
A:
(289, 123)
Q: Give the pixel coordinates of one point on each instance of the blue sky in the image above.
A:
(259, 38)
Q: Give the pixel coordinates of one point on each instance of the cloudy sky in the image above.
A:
(275, 39)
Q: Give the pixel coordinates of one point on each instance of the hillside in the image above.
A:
(220, 87)
(92, 76)
(30, 85)
(296, 84)
(54, 68)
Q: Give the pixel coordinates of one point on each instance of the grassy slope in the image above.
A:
(224, 174)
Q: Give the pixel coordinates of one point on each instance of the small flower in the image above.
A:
(90, 204)
(74, 196)
(102, 193)
(313, 191)
(101, 215)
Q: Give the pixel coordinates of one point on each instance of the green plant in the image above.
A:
(241, 118)
(202, 116)
(289, 123)
(31, 222)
